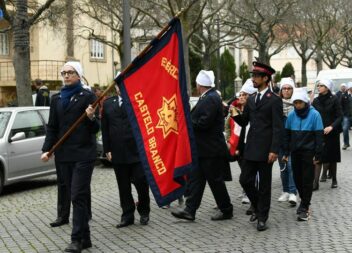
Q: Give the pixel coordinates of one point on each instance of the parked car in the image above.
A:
(101, 156)
(22, 133)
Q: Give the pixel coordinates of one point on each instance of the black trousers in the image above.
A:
(126, 174)
(77, 177)
(209, 170)
(64, 196)
(303, 174)
(260, 196)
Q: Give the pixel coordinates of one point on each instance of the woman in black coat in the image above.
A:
(330, 110)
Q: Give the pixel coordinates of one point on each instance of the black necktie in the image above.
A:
(257, 100)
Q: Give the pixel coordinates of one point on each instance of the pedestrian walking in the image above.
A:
(346, 105)
(264, 113)
(43, 94)
(303, 141)
(75, 158)
(121, 149)
(208, 124)
(289, 191)
(329, 108)
(236, 135)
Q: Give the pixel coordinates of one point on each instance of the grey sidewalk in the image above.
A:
(25, 215)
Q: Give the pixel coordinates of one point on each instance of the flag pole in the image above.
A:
(113, 83)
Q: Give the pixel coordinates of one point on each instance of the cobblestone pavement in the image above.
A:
(27, 208)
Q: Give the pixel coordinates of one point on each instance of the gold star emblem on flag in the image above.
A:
(168, 116)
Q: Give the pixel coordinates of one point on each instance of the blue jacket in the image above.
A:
(305, 135)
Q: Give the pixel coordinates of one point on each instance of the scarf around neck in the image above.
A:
(303, 113)
(68, 91)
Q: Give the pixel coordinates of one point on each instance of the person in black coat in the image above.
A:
(208, 125)
(329, 107)
(121, 148)
(264, 113)
(75, 158)
(43, 94)
(346, 104)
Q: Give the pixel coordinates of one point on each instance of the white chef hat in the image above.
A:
(344, 85)
(287, 81)
(76, 66)
(248, 87)
(300, 94)
(206, 78)
(327, 83)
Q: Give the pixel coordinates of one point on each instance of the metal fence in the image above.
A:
(48, 70)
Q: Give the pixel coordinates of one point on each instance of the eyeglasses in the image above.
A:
(319, 85)
(243, 95)
(286, 89)
(69, 73)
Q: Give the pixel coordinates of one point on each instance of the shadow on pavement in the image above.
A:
(28, 185)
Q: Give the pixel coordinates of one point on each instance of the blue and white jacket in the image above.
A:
(304, 134)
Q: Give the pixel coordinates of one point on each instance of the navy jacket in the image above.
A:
(117, 133)
(266, 126)
(81, 144)
(208, 125)
(304, 135)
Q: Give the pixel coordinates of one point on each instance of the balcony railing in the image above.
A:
(48, 70)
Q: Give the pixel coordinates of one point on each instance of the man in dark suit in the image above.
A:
(208, 124)
(264, 113)
(75, 158)
(120, 148)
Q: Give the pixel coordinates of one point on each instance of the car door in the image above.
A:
(24, 154)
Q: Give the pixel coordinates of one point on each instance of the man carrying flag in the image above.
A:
(208, 125)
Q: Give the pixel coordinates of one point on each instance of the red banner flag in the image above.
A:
(155, 92)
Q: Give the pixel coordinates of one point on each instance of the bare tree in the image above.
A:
(20, 21)
(259, 20)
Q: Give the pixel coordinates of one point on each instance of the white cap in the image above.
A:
(300, 94)
(76, 66)
(327, 83)
(287, 81)
(206, 78)
(248, 87)
(343, 85)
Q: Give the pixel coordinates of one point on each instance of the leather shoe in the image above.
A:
(86, 243)
(222, 216)
(250, 210)
(59, 222)
(261, 226)
(74, 246)
(253, 218)
(183, 214)
(144, 219)
(125, 223)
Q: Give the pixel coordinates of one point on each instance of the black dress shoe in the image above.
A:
(222, 216)
(125, 223)
(144, 219)
(253, 218)
(59, 222)
(261, 226)
(74, 246)
(183, 214)
(250, 210)
(86, 243)
(334, 184)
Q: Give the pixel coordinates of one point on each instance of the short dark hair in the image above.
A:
(38, 81)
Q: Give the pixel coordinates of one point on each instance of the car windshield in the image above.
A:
(4, 119)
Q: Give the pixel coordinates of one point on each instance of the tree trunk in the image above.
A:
(21, 57)
(304, 72)
(70, 49)
(319, 60)
(263, 54)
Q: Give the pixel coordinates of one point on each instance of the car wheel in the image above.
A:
(1, 180)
